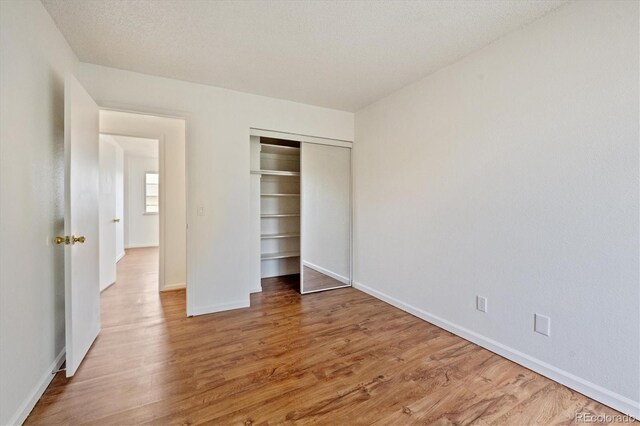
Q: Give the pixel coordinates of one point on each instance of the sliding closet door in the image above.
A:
(326, 217)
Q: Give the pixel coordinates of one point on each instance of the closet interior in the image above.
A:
(301, 210)
(279, 207)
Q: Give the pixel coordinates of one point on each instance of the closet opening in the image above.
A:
(279, 162)
(301, 212)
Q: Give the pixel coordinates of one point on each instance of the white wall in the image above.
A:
(513, 174)
(171, 150)
(218, 123)
(34, 58)
(143, 230)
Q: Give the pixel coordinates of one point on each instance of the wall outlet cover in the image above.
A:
(542, 324)
(481, 303)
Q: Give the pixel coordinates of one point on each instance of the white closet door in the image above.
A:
(326, 217)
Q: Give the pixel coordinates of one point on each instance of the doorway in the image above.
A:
(129, 188)
(143, 158)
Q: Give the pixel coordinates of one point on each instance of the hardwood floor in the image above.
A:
(338, 357)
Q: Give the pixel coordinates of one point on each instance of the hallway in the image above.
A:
(134, 298)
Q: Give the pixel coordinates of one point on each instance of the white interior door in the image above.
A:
(82, 276)
(108, 214)
(119, 203)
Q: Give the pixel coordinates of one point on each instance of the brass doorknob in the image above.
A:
(116, 220)
(62, 240)
(81, 239)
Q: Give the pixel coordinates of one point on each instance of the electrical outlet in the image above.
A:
(200, 210)
(542, 324)
(481, 303)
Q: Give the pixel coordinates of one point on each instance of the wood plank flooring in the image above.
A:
(337, 358)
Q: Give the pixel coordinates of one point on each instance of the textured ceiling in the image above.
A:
(338, 54)
(136, 147)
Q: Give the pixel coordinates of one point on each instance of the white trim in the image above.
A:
(142, 246)
(162, 218)
(324, 289)
(34, 396)
(175, 286)
(135, 109)
(120, 256)
(299, 138)
(333, 275)
(203, 310)
(605, 396)
(302, 216)
(255, 290)
(107, 287)
(325, 141)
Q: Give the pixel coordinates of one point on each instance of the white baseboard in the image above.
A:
(176, 286)
(141, 246)
(322, 270)
(120, 256)
(107, 287)
(25, 408)
(256, 290)
(203, 310)
(605, 396)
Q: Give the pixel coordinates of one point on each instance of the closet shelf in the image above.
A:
(279, 255)
(279, 149)
(274, 173)
(279, 195)
(282, 235)
(280, 215)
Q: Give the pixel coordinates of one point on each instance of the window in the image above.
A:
(151, 194)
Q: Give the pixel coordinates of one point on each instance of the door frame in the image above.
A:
(161, 216)
(162, 113)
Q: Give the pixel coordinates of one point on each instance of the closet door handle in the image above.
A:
(116, 220)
